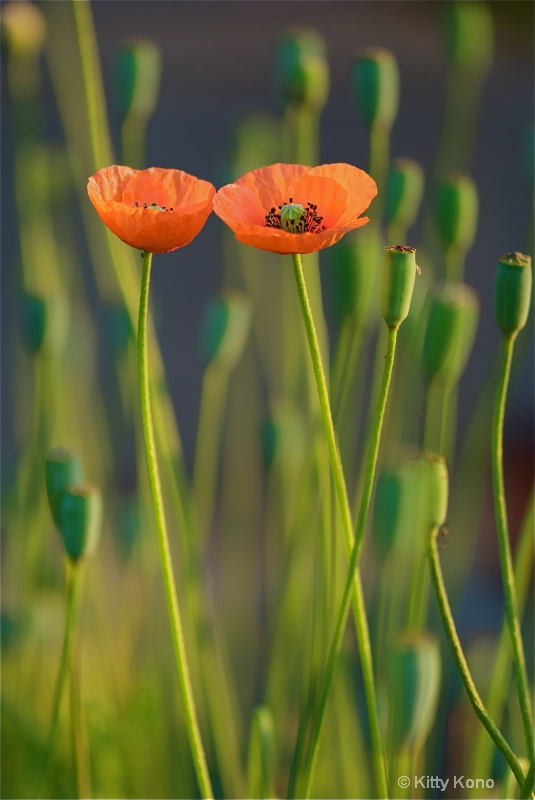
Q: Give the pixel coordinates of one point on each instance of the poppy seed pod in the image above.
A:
(352, 274)
(225, 329)
(413, 673)
(376, 83)
(80, 520)
(397, 283)
(512, 292)
(457, 208)
(469, 35)
(429, 487)
(42, 321)
(137, 70)
(390, 510)
(301, 68)
(62, 469)
(404, 191)
(450, 332)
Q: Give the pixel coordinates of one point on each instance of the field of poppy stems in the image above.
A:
(267, 392)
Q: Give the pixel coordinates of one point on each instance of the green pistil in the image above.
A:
(295, 218)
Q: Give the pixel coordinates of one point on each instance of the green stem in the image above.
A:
(502, 529)
(361, 524)
(351, 544)
(460, 659)
(74, 588)
(184, 681)
(81, 759)
(526, 789)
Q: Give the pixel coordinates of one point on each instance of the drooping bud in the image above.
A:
(80, 520)
(353, 272)
(512, 292)
(261, 757)
(301, 68)
(413, 673)
(376, 82)
(397, 283)
(62, 469)
(42, 321)
(138, 71)
(469, 30)
(404, 191)
(225, 329)
(457, 208)
(429, 492)
(450, 332)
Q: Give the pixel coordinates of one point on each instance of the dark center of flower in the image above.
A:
(295, 218)
(155, 206)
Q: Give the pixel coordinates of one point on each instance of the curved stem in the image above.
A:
(184, 681)
(462, 665)
(502, 529)
(352, 545)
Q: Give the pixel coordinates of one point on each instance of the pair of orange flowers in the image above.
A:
(283, 208)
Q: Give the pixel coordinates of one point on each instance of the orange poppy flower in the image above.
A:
(288, 208)
(156, 210)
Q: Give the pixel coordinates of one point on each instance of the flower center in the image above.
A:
(155, 206)
(295, 218)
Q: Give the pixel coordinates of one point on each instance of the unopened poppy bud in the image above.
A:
(138, 70)
(512, 292)
(414, 674)
(404, 191)
(397, 283)
(42, 322)
(301, 68)
(469, 30)
(429, 491)
(62, 469)
(457, 209)
(352, 273)
(225, 329)
(23, 29)
(390, 510)
(376, 82)
(80, 520)
(450, 332)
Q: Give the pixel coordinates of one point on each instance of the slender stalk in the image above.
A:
(81, 758)
(74, 588)
(526, 789)
(502, 529)
(460, 659)
(361, 524)
(184, 681)
(352, 545)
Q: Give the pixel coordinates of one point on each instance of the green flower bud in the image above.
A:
(414, 674)
(138, 71)
(469, 29)
(261, 757)
(404, 191)
(390, 510)
(376, 82)
(429, 488)
(43, 322)
(450, 332)
(62, 469)
(397, 283)
(225, 329)
(512, 292)
(302, 70)
(80, 520)
(457, 209)
(23, 29)
(352, 272)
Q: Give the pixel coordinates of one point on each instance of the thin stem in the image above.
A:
(460, 659)
(81, 759)
(361, 524)
(502, 529)
(352, 546)
(184, 681)
(74, 588)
